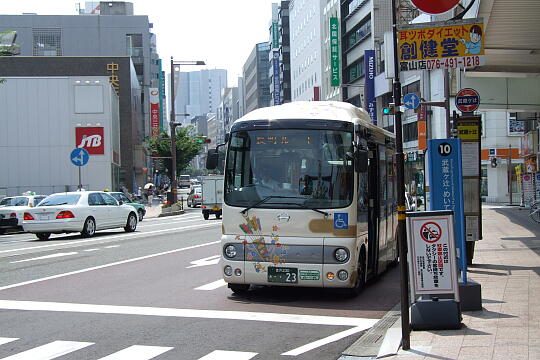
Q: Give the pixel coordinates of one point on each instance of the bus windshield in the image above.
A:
(307, 168)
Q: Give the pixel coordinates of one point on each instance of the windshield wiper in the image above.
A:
(268, 198)
(305, 207)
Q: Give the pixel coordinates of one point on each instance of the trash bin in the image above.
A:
(170, 197)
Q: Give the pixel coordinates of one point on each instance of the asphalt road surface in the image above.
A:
(158, 294)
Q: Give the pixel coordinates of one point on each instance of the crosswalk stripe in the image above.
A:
(4, 340)
(138, 352)
(228, 355)
(212, 286)
(49, 351)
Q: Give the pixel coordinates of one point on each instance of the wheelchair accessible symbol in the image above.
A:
(341, 221)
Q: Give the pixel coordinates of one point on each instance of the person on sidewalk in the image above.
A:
(150, 195)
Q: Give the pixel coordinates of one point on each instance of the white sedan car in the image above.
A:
(13, 208)
(84, 212)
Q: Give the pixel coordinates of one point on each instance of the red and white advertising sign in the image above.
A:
(435, 6)
(432, 259)
(154, 111)
(90, 138)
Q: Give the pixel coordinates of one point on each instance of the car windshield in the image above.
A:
(198, 190)
(15, 201)
(60, 199)
(310, 166)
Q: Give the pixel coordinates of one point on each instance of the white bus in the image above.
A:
(309, 198)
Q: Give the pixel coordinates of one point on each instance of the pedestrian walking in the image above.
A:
(150, 195)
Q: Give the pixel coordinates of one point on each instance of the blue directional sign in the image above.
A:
(411, 101)
(79, 157)
(446, 186)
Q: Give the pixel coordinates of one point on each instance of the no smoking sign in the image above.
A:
(430, 232)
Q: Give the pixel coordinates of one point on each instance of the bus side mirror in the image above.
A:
(361, 161)
(212, 159)
(227, 136)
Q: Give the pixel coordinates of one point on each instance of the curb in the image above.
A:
(180, 212)
(369, 344)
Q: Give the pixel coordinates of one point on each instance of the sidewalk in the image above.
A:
(507, 265)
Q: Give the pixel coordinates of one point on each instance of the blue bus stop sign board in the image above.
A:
(446, 186)
(411, 101)
(79, 157)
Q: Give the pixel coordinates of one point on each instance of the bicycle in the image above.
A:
(534, 211)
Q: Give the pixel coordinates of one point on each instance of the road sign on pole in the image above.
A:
(411, 101)
(79, 157)
(467, 100)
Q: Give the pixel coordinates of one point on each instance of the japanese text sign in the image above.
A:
(277, 78)
(91, 139)
(371, 102)
(334, 52)
(432, 259)
(154, 111)
(446, 186)
(441, 45)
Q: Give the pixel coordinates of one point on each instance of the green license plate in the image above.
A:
(283, 275)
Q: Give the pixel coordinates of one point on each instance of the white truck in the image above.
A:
(212, 196)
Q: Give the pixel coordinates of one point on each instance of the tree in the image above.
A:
(187, 148)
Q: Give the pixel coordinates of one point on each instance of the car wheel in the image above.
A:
(141, 214)
(188, 204)
(43, 236)
(2, 231)
(89, 228)
(218, 216)
(205, 215)
(131, 224)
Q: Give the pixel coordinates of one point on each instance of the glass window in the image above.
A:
(95, 199)
(47, 42)
(292, 168)
(108, 199)
(15, 201)
(60, 199)
(37, 199)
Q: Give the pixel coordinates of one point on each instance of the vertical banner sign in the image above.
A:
(277, 79)
(154, 111)
(432, 260)
(334, 52)
(469, 131)
(441, 45)
(161, 96)
(446, 186)
(422, 127)
(275, 35)
(371, 103)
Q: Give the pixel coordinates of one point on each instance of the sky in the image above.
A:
(220, 32)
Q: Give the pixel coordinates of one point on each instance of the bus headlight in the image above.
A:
(230, 251)
(342, 275)
(227, 270)
(341, 255)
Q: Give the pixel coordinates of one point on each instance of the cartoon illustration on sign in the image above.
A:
(474, 46)
(258, 249)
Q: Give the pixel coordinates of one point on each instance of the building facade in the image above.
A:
(280, 54)
(256, 81)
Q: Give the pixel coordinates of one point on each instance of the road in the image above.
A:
(158, 294)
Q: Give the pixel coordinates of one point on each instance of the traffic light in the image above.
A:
(494, 162)
(389, 110)
(203, 140)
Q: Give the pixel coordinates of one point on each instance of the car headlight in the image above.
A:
(341, 255)
(230, 251)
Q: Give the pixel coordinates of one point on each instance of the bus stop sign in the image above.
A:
(435, 7)
(467, 100)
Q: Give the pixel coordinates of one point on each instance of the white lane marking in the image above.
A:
(228, 355)
(212, 286)
(322, 342)
(106, 265)
(138, 352)
(359, 323)
(211, 260)
(94, 249)
(185, 221)
(4, 340)
(46, 257)
(49, 351)
(113, 237)
(112, 246)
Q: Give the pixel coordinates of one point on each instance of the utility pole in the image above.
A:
(173, 138)
(509, 165)
(400, 182)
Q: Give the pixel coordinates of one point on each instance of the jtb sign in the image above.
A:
(91, 139)
(446, 186)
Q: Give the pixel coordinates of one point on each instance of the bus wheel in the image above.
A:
(360, 277)
(239, 289)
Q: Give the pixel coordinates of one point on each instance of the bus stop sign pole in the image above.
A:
(400, 182)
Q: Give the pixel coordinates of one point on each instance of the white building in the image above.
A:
(44, 119)
(306, 49)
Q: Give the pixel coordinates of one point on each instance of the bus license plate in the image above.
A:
(282, 275)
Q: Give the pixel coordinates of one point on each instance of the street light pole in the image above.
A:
(400, 182)
(173, 124)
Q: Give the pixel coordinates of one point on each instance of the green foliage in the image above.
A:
(186, 149)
